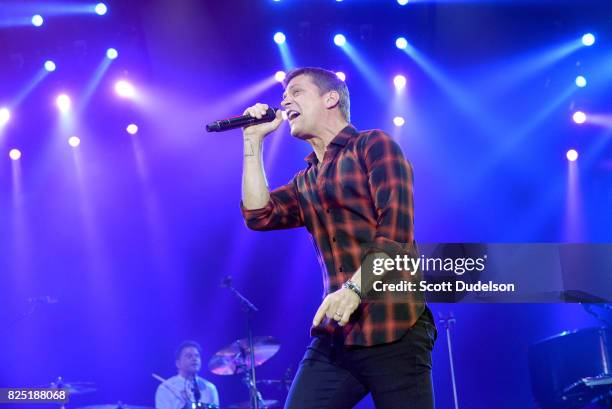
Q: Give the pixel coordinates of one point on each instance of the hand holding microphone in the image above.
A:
(257, 121)
(262, 112)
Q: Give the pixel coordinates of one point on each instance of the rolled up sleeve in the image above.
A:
(281, 212)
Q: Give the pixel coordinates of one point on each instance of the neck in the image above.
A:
(324, 135)
(187, 375)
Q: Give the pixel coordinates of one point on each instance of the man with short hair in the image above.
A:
(355, 198)
(187, 389)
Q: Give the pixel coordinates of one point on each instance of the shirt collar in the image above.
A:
(339, 140)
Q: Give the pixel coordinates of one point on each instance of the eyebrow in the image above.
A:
(288, 88)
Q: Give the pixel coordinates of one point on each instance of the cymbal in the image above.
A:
(268, 403)
(74, 387)
(118, 405)
(236, 357)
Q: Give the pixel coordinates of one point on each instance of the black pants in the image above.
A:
(398, 374)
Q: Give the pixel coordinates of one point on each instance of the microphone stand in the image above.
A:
(447, 321)
(249, 308)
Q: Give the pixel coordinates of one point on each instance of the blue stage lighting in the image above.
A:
(399, 81)
(111, 54)
(279, 38)
(341, 76)
(280, 76)
(572, 155)
(15, 154)
(132, 129)
(579, 117)
(74, 141)
(63, 102)
(588, 39)
(401, 43)
(5, 115)
(402, 2)
(50, 66)
(581, 81)
(339, 40)
(37, 20)
(101, 9)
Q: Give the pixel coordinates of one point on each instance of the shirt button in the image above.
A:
(328, 211)
(334, 239)
(340, 269)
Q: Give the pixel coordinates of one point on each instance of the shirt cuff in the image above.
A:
(254, 216)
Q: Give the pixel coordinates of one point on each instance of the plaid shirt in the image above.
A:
(358, 201)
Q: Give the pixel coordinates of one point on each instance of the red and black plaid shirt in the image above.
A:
(358, 201)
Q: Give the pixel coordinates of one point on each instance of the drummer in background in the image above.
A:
(179, 391)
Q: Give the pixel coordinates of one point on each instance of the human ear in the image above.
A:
(332, 99)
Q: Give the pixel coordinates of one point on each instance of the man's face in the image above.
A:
(305, 106)
(189, 361)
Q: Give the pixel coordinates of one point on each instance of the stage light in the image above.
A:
(579, 117)
(74, 141)
(37, 20)
(399, 81)
(399, 121)
(15, 154)
(50, 66)
(402, 2)
(280, 76)
(341, 75)
(5, 115)
(581, 81)
(339, 40)
(588, 39)
(279, 38)
(63, 102)
(111, 54)
(572, 155)
(124, 89)
(401, 43)
(101, 9)
(132, 129)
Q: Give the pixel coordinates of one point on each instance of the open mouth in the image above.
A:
(291, 115)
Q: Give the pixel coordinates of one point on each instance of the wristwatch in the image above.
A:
(354, 287)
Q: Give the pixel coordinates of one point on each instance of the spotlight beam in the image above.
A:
(509, 74)
(286, 56)
(372, 77)
(25, 91)
(460, 97)
(93, 83)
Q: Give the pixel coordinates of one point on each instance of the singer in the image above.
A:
(355, 198)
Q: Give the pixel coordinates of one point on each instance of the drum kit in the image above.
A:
(82, 388)
(241, 357)
(234, 359)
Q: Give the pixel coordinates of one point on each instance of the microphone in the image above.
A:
(240, 121)
(197, 395)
